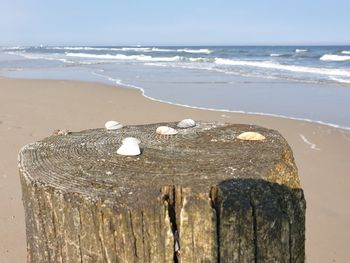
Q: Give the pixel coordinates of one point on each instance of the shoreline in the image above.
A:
(241, 112)
(116, 84)
(31, 109)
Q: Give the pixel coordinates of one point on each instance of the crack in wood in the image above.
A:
(214, 201)
(255, 230)
(133, 234)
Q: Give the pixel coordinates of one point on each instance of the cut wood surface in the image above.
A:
(201, 195)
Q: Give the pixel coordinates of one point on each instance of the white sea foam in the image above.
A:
(312, 145)
(330, 57)
(196, 51)
(155, 49)
(280, 55)
(135, 49)
(156, 64)
(14, 48)
(275, 65)
(144, 49)
(341, 80)
(300, 50)
(275, 55)
(200, 60)
(345, 52)
(52, 57)
(124, 57)
(116, 81)
(80, 48)
(102, 48)
(139, 49)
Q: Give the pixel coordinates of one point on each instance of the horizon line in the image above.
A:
(176, 45)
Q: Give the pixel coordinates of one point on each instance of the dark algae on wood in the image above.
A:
(201, 195)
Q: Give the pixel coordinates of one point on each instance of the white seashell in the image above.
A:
(131, 140)
(130, 147)
(113, 125)
(186, 123)
(165, 130)
(129, 150)
(251, 136)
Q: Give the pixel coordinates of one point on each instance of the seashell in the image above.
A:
(251, 136)
(165, 130)
(186, 123)
(61, 132)
(131, 140)
(130, 147)
(113, 125)
(55, 132)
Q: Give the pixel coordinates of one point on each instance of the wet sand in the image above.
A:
(31, 109)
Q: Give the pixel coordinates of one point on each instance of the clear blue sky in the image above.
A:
(151, 22)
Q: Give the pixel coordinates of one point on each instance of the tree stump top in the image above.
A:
(86, 162)
(202, 195)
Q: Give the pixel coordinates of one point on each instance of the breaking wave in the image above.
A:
(135, 49)
(279, 55)
(124, 57)
(196, 51)
(300, 50)
(341, 80)
(275, 65)
(330, 57)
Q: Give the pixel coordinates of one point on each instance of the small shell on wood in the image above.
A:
(131, 140)
(61, 132)
(130, 147)
(251, 136)
(165, 130)
(113, 125)
(186, 123)
(129, 150)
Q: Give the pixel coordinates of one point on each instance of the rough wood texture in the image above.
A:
(199, 196)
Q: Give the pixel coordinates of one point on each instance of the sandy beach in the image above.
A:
(31, 109)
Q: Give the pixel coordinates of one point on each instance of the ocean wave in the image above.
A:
(330, 57)
(80, 48)
(135, 49)
(124, 49)
(156, 64)
(279, 55)
(124, 57)
(138, 49)
(300, 50)
(13, 48)
(345, 52)
(275, 65)
(38, 57)
(155, 49)
(340, 80)
(200, 60)
(196, 51)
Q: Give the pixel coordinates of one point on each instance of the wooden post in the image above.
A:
(202, 195)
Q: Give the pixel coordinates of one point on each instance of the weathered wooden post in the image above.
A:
(199, 196)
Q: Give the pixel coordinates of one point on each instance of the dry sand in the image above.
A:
(32, 109)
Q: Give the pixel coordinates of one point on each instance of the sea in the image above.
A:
(309, 83)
